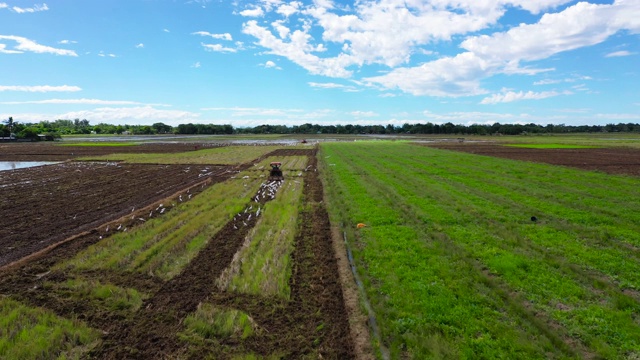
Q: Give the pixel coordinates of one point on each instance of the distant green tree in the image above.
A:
(28, 133)
(9, 123)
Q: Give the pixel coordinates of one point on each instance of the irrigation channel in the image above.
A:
(312, 322)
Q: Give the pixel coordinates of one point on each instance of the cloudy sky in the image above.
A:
(252, 62)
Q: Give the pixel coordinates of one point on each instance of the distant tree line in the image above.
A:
(77, 126)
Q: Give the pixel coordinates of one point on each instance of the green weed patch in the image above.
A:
(107, 296)
(209, 322)
(34, 333)
(455, 266)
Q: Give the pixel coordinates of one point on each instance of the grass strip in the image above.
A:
(210, 322)
(34, 333)
(163, 246)
(263, 264)
(107, 296)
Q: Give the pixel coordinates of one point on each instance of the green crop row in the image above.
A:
(106, 296)
(263, 264)
(163, 246)
(209, 322)
(428, 209)
(34, 333)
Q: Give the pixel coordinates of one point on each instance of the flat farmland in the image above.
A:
(613, 160)
(57, 151)
(467, 256)
(234, 267)
(46, 204)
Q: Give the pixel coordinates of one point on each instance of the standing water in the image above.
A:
(12, 165)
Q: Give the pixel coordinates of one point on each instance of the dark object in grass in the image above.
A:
(276, 172)
(534, 219)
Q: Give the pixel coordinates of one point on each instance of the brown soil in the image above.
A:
(609, 160)
(55, 151)
(313, 323)
(44, 205)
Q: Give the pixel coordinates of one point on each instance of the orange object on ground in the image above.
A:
(361, 225)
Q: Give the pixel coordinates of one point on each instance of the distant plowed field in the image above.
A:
(56, 151)
(609, 160)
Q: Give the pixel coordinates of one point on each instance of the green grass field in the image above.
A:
(34, 333)
(454, 266)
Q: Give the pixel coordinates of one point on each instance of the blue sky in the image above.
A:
(253, 62)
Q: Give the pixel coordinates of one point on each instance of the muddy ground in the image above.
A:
(313, 323)
(43, 205)
(609, 160)
(59, 151)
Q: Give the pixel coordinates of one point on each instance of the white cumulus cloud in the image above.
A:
(581, 25)
(271, 65)
(136, 115)
(511, 96)
(255, 12)
(35, 8)
(26, 45)
(620, 53)
(225, 36)
(218, 48)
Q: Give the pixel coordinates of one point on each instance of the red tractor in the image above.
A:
(276, 172)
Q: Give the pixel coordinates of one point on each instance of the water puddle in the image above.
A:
(13, 165)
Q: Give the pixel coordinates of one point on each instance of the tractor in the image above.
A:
(276, 172)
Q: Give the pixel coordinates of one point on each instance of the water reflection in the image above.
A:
(12, 165)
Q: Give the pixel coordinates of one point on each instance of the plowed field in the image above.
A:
(56, 151)
(46, 204)
(609, 160)
(312, 322)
